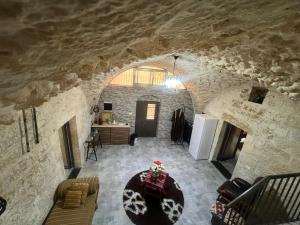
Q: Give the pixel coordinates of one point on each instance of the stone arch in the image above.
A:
(202, 80)
(229, 44)
(148, 98)
(166, 97)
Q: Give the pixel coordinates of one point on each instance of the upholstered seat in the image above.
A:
(83, 215)
(79, 216)
(231, 189)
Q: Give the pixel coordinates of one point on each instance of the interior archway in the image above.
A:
(147, 84)
(202, 80)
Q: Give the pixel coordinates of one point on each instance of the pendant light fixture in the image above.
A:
(173, 82)
(175, 58)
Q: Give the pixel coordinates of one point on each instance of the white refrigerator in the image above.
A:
(203, 133)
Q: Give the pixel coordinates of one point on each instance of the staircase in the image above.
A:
(273, 200)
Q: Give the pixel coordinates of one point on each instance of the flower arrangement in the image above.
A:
(156, 169)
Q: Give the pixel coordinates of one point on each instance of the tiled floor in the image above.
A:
(117, 164)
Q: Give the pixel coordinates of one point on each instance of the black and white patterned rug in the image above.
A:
(144, 209)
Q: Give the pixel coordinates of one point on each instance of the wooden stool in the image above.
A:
(92, 144)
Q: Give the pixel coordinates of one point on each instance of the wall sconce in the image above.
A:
(94, 109)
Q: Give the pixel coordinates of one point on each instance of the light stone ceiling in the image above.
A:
(49, 46)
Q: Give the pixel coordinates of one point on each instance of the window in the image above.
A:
(143, 77)
(147, 76)
(151, 111)
(107, 106)
(159, 78)
(124, 79)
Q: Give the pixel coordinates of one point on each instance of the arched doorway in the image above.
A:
(161, 92)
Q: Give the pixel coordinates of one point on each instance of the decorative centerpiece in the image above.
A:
(156, 169)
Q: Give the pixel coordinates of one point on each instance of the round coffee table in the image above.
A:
(145, 209)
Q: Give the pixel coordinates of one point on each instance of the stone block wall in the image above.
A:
(273, 141)
(124, 104)
(29, 179)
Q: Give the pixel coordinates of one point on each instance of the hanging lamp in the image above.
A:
(173, 82)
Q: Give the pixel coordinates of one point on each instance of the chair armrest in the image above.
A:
(227, 184)
(230, 194)
(60, 190)
(240, 183)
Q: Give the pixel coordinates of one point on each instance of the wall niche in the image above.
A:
(258, 94)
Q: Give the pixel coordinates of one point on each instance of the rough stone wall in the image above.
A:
(124, 104)
(48, 47)
(273, 141)
(51, 45)
(28, 180)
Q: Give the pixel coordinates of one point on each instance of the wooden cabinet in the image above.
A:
(119, 135)
(105, 135)
(113, 134)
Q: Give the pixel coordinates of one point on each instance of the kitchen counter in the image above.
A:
(113, 134)
(110, 125)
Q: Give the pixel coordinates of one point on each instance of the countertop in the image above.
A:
(111, 125)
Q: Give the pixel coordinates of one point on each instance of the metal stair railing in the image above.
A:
(273, 200)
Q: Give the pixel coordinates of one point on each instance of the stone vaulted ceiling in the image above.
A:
(48, 46)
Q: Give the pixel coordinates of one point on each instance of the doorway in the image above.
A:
(146, 118)
(70, 148)
(231, 147)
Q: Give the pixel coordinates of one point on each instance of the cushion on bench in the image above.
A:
(65, 185)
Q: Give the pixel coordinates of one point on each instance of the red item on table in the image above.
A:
(157, 162)
(158, 184)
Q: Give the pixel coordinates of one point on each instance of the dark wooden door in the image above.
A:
(68, 146)
(146, 118)
(230, 142)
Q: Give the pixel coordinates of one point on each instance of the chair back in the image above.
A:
(96, 139)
